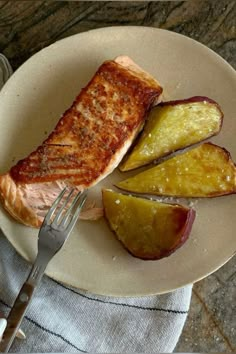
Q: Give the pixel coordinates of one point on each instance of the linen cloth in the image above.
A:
(65, 319)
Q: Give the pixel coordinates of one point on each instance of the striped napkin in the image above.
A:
(65, 319)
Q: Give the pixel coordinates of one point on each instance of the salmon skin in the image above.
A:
(88, 142)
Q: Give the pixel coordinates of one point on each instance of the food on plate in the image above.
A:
(147, 229)
(172, 126)
(88, 142)
(205, 171)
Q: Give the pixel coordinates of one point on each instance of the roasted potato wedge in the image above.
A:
(147, 229)
(205, 171)
(172, 126)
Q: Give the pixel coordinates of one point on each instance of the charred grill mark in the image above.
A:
(58, 145)
(101, 119)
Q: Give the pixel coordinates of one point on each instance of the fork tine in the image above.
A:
(67, 214)
(62, 208)
(50, 241)
(77, 211)
(53, 207)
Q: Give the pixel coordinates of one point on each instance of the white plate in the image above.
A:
(39, 92)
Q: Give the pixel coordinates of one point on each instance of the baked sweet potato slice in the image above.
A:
(147, 229)
(172, 126)
(205, 171)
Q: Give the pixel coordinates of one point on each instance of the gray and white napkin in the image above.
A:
(65, 319)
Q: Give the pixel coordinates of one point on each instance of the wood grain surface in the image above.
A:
(28, 26)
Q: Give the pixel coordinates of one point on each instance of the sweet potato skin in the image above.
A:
(184, 130)
(207, 177)
(148, 230)
(191, 99)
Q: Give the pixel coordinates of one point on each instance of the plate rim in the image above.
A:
(117, 28)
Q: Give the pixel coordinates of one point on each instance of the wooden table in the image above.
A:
(28, 26)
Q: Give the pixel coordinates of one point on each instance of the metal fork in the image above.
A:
(55, 229)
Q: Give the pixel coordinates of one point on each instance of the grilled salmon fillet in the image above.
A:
(88, 142)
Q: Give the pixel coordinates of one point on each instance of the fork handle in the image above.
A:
(16, 316)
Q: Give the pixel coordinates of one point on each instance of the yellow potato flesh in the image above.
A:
(173, 127)
(201, 172)
(148, 229)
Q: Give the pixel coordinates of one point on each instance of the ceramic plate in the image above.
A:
(45, 86)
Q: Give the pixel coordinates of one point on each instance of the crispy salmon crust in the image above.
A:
(88, 141)
(107, 112)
